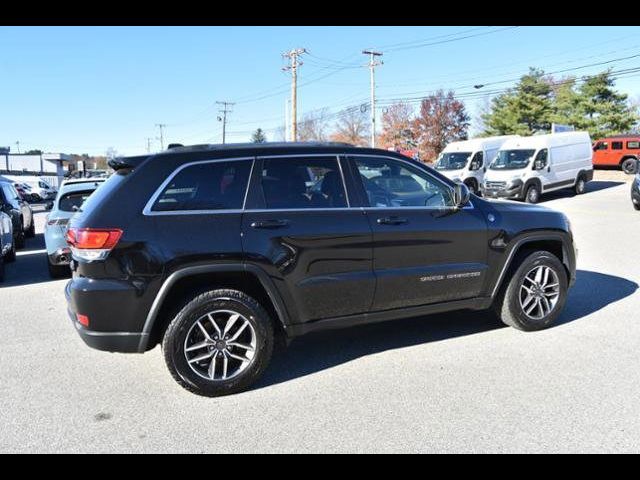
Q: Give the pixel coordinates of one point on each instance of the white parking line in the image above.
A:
(31, 252)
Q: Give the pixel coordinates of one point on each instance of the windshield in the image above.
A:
(512, 159)
(453, 160)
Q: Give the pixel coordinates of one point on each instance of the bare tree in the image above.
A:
(313, 128)
(352, 127)
(397, 128)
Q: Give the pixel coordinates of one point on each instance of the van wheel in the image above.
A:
(219, 344)
(532, 195)
(536, 293)
(1, 269)
(629, 166)
(581, 186)
(473, 187)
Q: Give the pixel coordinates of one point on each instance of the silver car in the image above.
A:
(7, 245)
(70, 198)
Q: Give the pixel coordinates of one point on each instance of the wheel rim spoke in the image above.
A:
(539, 292)
(233, 332)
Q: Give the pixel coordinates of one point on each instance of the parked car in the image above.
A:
(466, 161)
(527, 167)
(19, 211)
(212, 251)
(41, 189)
(620, 151)
(7, 244)
(72, 195)
(635, 191)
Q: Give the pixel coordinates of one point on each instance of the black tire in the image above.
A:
(173, 343)
(532, 195)
(473, 187)
(637, 207)
(58, 271)
(19, 239)
(31, 232)
(508, 305)
(629, 166)
(11, 256)
(1, 269)
(581, 185)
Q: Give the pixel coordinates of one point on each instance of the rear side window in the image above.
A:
(301, 183)
(616, 145)
(206, 186)
(633, 145)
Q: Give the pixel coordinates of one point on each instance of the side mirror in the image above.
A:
(461, 195)
(538, 165)
(475, 166)
(49, 206)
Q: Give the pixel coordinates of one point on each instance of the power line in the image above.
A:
(161, 126)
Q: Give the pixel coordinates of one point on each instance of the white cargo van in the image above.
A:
(527, 167)
(466, 161)
(40, 188)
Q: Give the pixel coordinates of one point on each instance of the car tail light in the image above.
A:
(92, 243)
(83, 320)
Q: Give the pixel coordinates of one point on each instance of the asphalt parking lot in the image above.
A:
(449, 383)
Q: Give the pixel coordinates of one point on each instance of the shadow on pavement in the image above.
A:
(592, 187)
(320, 351)
(30, 266)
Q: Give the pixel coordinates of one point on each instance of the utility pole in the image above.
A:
(293, 55)
(224, 110)
(18, 146)
(161, 126)
(149, 144)
(372, 65)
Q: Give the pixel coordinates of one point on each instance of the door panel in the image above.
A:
(422, 255)
(319, 260)
(300, 230)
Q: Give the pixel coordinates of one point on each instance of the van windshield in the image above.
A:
(512, 159)
(452, 160)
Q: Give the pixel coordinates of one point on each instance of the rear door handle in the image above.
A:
(270, 224)
(392, 221)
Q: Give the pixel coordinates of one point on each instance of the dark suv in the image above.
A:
(213, 251)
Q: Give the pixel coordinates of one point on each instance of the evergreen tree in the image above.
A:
(258, 136)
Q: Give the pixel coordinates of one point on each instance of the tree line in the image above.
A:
(589, 103)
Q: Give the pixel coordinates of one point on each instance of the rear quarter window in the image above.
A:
(103, 191)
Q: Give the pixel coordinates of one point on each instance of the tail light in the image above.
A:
(92, 244)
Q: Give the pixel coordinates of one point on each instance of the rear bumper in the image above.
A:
(60, 257)
(96, 300)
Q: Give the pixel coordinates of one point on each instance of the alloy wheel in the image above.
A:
(539, 292)
(220, 345)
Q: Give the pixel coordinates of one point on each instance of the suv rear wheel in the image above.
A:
(219, 344)
(536, 293)
(629, 166)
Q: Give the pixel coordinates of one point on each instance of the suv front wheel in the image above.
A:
(536, 293)
(219, 344)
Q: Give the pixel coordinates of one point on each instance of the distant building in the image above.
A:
(50, 165)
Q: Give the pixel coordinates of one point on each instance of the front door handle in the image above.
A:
(270, 224)
(392, 221)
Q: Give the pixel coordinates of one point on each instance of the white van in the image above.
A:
(527, 167)
(466, 161)
(40, 188)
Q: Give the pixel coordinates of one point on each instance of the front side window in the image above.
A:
(206, 186)
(452, 161)
(512, 159)
(302, 183)
(542, 159)
(601, 146)
(392, 183)
(616, 145)
(477, 161)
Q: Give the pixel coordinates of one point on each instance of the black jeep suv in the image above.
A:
(212, 251)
